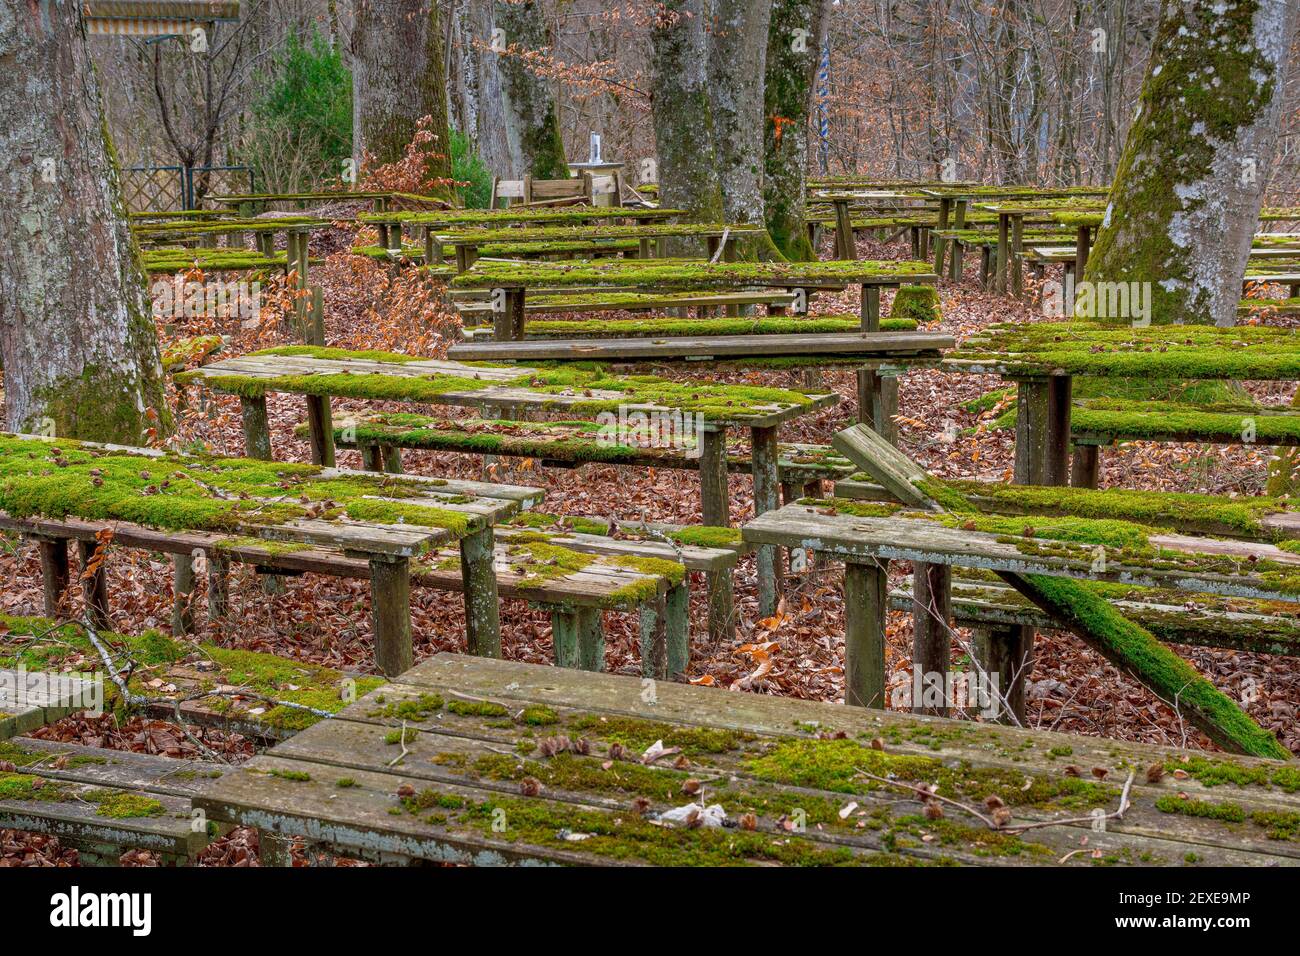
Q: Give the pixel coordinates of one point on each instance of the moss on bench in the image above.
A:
(712, 401)
(63, 478)
(684, 273)
(768, 325)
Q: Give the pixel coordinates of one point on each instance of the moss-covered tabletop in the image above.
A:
(491, 762)
(171, 260)
(575, 390)
(268, 224)
(1248, 353)
(668, 274)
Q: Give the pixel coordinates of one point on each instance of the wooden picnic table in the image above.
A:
(467, 242)
(33, 699)
(513, 279)
(390, 224)
(319, 374)
(1043, 358)
(489, 762)
(150, 499)
(866, 544)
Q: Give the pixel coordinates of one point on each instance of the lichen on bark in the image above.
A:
(1187, 193)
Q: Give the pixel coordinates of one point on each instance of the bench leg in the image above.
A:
(870, 308)
(54, 572)
(94, 589)
(371, 458)
(1005, 652)
(390, 614)
(257, 430)
(392, 459)
(482, 608)
(722, 605)
(218, 586)
(931, 642)
(182, 594)
(1085, 467)
(677, 622)
(654, 639)
(665, 634)
(766, 498)
(320, 430)
(577, 639)
(865, 593)
(273, 849)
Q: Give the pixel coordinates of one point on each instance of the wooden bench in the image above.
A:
(478, 305)
(105, 802)
(390, 225)
(671, 326)
(495, 763)
(1256, 627)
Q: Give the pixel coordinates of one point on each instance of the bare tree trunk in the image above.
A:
(77, 338)
(398, 79)
(532, 118)
(736, 64)
(477, 108)
(683, 115)
(1187, 194)
(794, 43)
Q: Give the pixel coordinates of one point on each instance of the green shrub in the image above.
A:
(466, 167)
(300, 128)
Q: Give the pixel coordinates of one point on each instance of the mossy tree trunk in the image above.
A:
(477, 106)
(77, 336)
(794, 38)
(683, 116)
(1187, 193)
(532, 118)
(398, 79)
(737, 60)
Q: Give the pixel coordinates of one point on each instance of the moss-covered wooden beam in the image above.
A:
(224, 226)
(167, 261)
(691, 274)
(596, 231)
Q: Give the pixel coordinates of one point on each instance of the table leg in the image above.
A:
(1081, 249)
(959, 222)
(1042, 430)
(715, 506)
(845, 247)
(865, 588)
(1017, 255)
(766, 498)
(482, 607)
(320, 430)
(870, 312)
(508, 324)
(1004, 240)
(878, 403)
(257, 429)
(945, 205)
(722, 605)
(390, 613)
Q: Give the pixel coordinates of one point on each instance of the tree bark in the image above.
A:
(532, 117)
(398, 79)
(77, 336)
(1187, 193)
(794, 41)
(477, 107)
(737, 59)
(683, 115)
